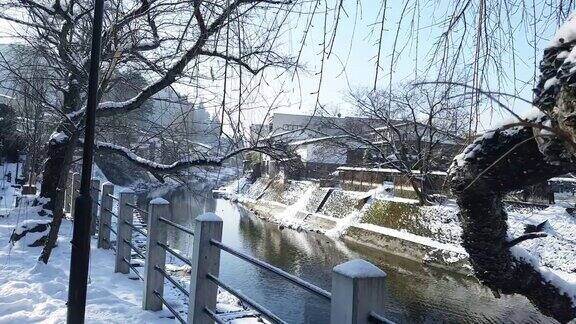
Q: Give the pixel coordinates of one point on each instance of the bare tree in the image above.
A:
(26, 82)
(417, 132)
(165, 40)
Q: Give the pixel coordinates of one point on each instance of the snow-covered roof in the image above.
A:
(317, 140)
(454, 137)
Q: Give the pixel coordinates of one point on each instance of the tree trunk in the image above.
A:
(55, 173)
(422, 198)
(493, 165)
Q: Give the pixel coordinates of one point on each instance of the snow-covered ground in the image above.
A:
(558, 249)
(34, 292)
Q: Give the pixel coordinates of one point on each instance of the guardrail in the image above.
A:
(358, 286)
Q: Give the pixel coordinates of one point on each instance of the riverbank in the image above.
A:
(427, 234)
(415, 293)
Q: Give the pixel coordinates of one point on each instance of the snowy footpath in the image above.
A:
(34, 292)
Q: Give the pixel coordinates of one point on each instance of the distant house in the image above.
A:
(316, 139)
(413, 136)
(326, 143)
(301, 127)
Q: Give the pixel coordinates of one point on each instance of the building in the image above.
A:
(320, 141)
(325, 143)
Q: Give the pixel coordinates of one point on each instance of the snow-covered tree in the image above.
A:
(202, 41)
(525, 152)
(26, 82)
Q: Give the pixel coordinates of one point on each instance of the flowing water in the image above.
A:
(415, 293)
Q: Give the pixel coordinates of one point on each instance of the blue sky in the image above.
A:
(352, 63)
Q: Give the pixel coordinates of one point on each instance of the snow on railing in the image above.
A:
(357, 286)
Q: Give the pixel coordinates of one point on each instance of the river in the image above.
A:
(415, 293)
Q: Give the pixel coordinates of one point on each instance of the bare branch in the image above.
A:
(525, 237)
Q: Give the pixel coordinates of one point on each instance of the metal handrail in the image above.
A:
(133, 269)
(374, 317)
(174, 253)
(170, 308)
(111, 212)
(137, 208)
(111, 229)
(296, 280)
(213, 316)
(137, 229)
(113, 197)
(265, 312)
(135, 249)
(178, 226)
(174, 282)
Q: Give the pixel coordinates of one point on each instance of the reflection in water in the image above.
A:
(415, 293)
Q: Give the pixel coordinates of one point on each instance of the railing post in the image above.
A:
(95, 194)
(123, 231)
(205, 260)
(357, 289)
(156, 255)
(105, 216)
(75, 191)
(68, 192)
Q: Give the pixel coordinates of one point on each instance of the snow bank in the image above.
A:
(555, 251)
(404, 235)
(29, 223)
(32, 292)
(356, 215)
(289, 216)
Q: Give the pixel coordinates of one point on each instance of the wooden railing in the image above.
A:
(357, 286)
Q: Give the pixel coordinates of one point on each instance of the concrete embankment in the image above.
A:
(373, 218)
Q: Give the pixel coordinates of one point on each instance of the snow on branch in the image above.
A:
(187, 162)
(107, 109)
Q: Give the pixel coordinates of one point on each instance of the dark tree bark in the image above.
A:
(493, 165)
(55, 173)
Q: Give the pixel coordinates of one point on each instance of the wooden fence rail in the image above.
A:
(357, 285)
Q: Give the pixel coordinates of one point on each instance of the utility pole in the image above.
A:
(77, 284)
